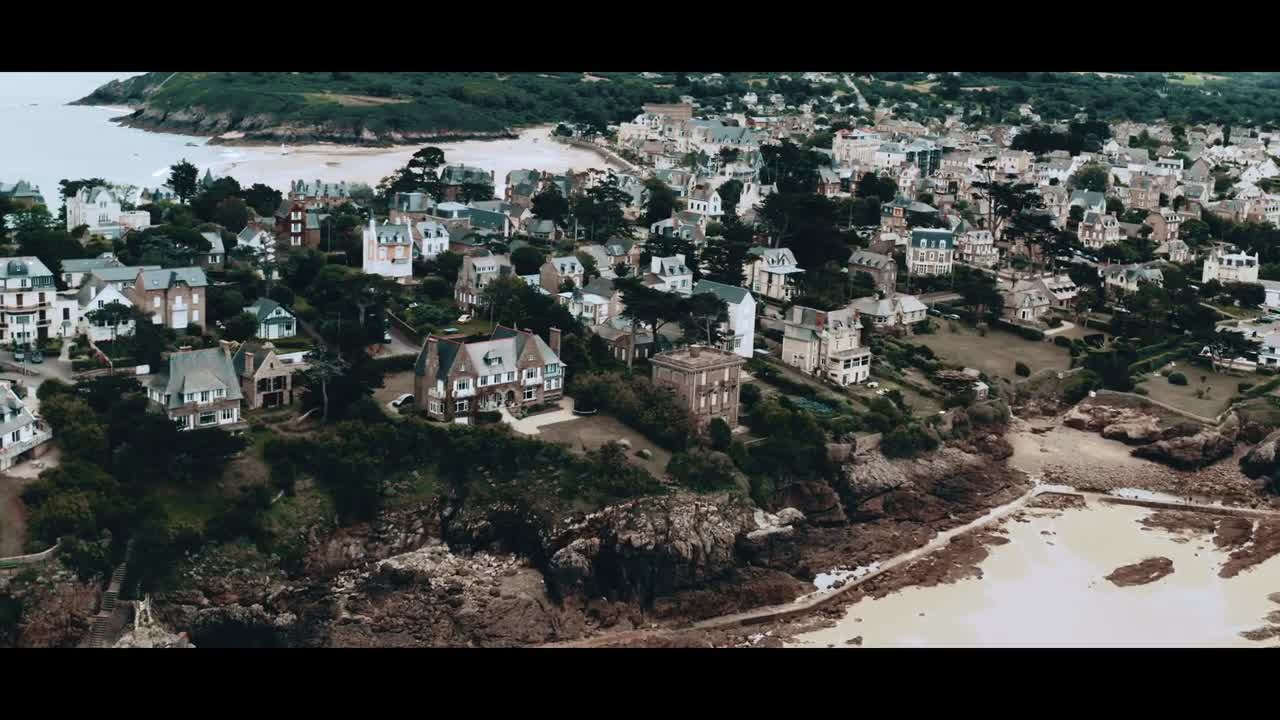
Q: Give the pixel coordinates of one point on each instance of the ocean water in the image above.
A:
(1049, 590)
(44, 140)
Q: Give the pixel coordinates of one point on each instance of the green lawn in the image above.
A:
(297, 513)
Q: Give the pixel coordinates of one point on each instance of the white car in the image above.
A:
(401, 401)
(873, 384)
(464, 318)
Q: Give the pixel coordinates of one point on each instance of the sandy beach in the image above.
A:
(1047, 587)
(534, 148)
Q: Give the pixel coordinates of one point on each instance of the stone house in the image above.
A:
(198, 388)
(882, 268)
(513, 369)
(705, 379)
(826, 343)
(556, 270)
(266, 379)
(174, 297)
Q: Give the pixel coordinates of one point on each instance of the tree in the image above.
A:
(527, 260)
(724, 259)
(705, 312)
(659, 201)
(589, 269)
(600, 211)
(646, 305)
(473, 192)
(551, 205)
(264, 199)
(113, 314)
(504, 299)
(232, 213)
(730, 194)
(182, 180)
(448, 264)
(323, 368)
(1195, 232)
(241, 327)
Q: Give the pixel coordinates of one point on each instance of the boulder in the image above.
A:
(1191, 452)
(1138, 431)
(1264, 459)
(817, 500)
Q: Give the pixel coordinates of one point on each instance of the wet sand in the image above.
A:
(1046, 588)
(332, 163)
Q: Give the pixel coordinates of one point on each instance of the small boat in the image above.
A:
(191, 144)
(284, 150)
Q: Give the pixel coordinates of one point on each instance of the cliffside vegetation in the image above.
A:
(380, 103)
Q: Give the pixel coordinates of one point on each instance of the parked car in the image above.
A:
(464, 318)
(19, 355)
(37, 356)
(402, 400)
(873, 384)
(951, 316)
(451, 331)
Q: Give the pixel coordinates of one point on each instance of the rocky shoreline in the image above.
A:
(267, 130)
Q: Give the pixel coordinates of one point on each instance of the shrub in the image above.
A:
(653, 411)
(748, 395)
(1062, 341)
(1141, 390)
(1078, 386)
(703, 471)
(1242, 387)
(720, 433)
(907, 441)
(1177, 379)
(1020, 369)
(487, 417)
(1053, 321)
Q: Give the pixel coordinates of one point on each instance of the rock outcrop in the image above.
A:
(1264, 458)
(1194, 451)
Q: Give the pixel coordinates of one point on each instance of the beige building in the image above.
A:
(705, 379)
(266, 379)
(826, 343)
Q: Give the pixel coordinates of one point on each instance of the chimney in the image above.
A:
(554, 335)
(248, 363)
(226, 348)
(694, 351)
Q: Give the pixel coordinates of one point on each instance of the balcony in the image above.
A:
(16, 449)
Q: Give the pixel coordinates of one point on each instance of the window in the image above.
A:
(437, 407)
(460, 406)
(219, 393)
(155, 301)
(16, 435)
(228, 414)
(195, 316)
(484, 380)
(463, 384)
(208, 418)
(195, 298)
(530, 393)
(280, 382)
(204, 396)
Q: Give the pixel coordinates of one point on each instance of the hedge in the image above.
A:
(1177, 379)
(1264, 388)
(1151, 363)
(396, 363)
(1028, 333)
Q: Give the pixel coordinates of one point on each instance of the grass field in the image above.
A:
(996, 353)
(1218, 386)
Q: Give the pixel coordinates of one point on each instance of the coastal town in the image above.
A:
(832, 328)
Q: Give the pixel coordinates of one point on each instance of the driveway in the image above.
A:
(400, 344)
(530, 425)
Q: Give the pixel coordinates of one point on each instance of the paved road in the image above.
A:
(400, 345)
(943, 296)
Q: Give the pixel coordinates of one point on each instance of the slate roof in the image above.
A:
(864, 258)
(84, 265)
(197, 371)
(921, 237)
(23, 266)
(259, 350)
(166, 278)
(121, 274)
(731, 294)
(215, 243)
(263, 308)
